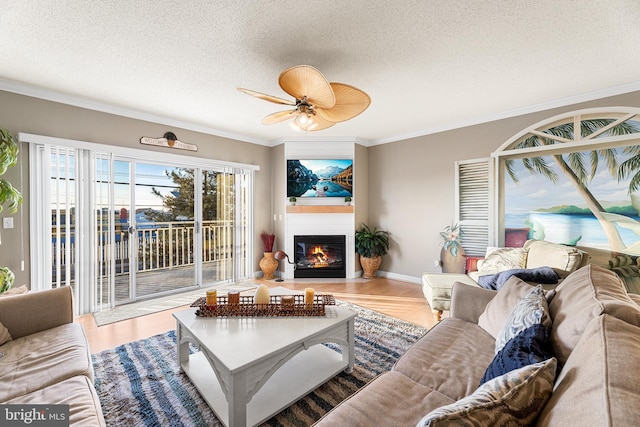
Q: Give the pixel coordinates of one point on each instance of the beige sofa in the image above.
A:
(594, 338)
(46, 359)
(535, 253)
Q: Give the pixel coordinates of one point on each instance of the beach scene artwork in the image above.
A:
(562, 212)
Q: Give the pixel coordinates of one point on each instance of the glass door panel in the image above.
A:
(123, 282)
(217, 227)
(164, 229)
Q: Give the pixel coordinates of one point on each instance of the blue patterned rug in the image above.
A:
(139, 384)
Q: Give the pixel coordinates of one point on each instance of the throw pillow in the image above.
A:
(528, 347)
(5, 336)
(530, 310)
(544, 275)
(500, 259)
(497, 311)
(515, 399)
(15, 291)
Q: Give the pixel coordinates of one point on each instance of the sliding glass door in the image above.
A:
(147, 228)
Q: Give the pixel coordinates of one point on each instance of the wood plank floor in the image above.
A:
(392, 297)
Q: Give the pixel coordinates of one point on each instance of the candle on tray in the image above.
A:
(308, 296)
(233, 297)
(262, 295)
(212, 297)
(287, 300)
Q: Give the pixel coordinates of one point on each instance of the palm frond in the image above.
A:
(576, 163)
(508, 166)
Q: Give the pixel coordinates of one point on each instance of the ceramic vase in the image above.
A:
(268, 265)
(451, 263)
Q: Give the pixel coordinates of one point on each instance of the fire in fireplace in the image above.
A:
(321, 256)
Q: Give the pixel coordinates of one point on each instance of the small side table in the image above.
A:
(437, 289)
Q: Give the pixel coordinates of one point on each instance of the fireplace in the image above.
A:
(320, 256)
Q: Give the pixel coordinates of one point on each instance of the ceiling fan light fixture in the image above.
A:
(304, 121)
(318, 103)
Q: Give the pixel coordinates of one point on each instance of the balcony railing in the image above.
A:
(158, 245)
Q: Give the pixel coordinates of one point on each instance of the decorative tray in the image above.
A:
(276, 306)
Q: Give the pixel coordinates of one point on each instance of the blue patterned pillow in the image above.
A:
(528, 347)
(530, 310)
(513, 399)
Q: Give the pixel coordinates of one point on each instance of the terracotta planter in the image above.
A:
(370, 266)
(268, 265)
(452, 264)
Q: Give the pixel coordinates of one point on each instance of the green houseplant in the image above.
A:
(371, 245)
(9, 196)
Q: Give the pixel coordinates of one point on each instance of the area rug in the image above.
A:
(139, 384)
(137, 309)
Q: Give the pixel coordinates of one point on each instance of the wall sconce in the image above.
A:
(280, 255)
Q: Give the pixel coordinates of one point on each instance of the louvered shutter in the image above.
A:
(474, 197)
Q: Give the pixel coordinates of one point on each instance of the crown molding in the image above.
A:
(560, 102)
(77, 101)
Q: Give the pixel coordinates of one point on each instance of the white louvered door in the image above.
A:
(474, 202)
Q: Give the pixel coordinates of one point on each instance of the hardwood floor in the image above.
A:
(402, 300)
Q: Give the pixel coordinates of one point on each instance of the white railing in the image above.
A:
(160, 245)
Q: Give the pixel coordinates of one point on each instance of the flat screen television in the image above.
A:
(320, 178)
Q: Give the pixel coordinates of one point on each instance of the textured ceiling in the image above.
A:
(427, 65)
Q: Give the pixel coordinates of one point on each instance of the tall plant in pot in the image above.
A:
(8, 157)
(371, 245)
(9, 195)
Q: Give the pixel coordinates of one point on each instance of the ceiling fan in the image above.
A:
(318, 103)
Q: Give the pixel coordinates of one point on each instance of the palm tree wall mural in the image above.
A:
(576, 172)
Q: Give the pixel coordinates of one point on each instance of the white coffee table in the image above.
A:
(250, 368)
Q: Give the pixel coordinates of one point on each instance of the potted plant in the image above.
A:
(452, 258)
(6, 279)
(8, 157)
(371, 245)
(268, 263)
(347, 200)
(292, 200)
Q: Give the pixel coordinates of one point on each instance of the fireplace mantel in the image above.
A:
(320, 209)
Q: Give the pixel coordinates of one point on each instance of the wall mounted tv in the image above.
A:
(320, 178)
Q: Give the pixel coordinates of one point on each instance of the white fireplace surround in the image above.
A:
(320, 223)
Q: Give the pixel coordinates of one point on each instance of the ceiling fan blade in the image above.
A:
(304, 80)
(266, 97)
(280, 116)
(350, 102)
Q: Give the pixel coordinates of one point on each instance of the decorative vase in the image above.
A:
(370, 266)
(268, 265)
(451, 263)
